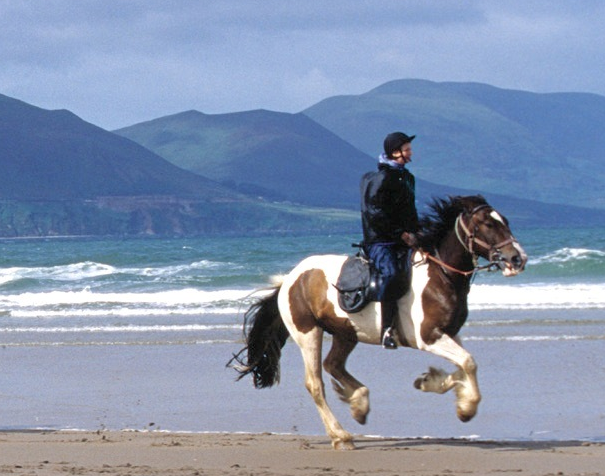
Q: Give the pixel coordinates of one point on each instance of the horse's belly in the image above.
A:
(368, 323)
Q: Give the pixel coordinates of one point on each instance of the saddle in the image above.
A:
(359, 282)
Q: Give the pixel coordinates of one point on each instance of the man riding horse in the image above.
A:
(389, 220)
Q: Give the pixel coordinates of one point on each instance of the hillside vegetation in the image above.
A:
(64, 176)
(281, 157)
(546, 147)
(535, 157)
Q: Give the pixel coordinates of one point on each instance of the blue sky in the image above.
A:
(119, 62)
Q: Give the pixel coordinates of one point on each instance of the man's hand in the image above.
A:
(409, 239)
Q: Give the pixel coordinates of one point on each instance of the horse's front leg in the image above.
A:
(348, 388)
(464, 380)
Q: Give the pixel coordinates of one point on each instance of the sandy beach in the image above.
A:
(149, 453)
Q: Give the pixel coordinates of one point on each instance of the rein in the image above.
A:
(443, 264)
(471, 239)
(434, 259)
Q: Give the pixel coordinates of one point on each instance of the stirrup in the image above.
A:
(388, 342)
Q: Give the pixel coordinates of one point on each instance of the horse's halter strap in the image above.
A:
(471, 239)
(468, 244)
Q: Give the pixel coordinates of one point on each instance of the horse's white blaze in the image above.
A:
(496, 216)
(520, 250)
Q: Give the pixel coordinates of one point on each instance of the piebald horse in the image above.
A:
(305, 305)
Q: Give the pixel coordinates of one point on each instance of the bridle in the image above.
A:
(471, 239)
(468, 240)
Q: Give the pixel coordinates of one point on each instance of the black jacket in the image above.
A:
(388, 204)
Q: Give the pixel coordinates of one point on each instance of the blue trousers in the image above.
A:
(392, 261)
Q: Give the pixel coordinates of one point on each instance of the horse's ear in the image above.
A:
(470, 202)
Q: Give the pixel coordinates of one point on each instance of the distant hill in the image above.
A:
(279, 156)
(56, 155)
(250, 172)
(63, 176)
(290, 157)
(546, 147)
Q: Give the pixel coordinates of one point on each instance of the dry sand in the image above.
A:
(151, 453)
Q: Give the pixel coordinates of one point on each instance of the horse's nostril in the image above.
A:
(517, 261)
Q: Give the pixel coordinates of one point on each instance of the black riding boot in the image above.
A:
(389, 312)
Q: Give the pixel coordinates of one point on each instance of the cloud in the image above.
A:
(117, 62)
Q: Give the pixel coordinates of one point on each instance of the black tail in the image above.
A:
(265, 335)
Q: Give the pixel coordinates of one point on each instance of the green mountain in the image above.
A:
(56, 155)
(281, 157)
(262, 171)
(290, 157)
(546, 147)
(64, 176)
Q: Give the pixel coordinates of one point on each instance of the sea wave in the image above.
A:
(568, 264)
(567, 255)
(87, 303)
(567, 278)
(179, 297)
(117, 329)
(537, 296)
(190, 301)
(69, 272)
(533, 338)
(139, 311)
(87, 270)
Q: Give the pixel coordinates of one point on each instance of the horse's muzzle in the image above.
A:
(513, 260)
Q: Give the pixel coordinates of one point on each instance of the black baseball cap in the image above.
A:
(395, 140)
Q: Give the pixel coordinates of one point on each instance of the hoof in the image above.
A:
(360, 405)
(360, 418)
(465, 415)
(465, 418)
(432, 381)
(343, 445)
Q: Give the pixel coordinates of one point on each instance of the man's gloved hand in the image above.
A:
(409, 239)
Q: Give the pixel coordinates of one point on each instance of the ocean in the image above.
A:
(135, 334)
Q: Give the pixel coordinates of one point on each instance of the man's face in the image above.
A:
(403, 155)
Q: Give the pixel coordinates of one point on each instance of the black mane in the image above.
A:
(434, 225)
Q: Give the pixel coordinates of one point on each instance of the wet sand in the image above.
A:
(149, 453)
(542, 391)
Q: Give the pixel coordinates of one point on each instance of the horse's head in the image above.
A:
(485, 232)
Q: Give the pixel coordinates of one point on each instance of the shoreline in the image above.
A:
(166, 453)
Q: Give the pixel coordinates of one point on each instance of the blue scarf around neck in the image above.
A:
(384, 159)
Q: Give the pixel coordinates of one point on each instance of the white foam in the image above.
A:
(117, 329)
(534, 338)
(566, 255)
(537, 296)
(179, 297)
(91, 269)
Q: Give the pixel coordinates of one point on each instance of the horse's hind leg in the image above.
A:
(310, 345)
(348, 388)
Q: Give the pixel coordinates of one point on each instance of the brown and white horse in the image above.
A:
(305, 305)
